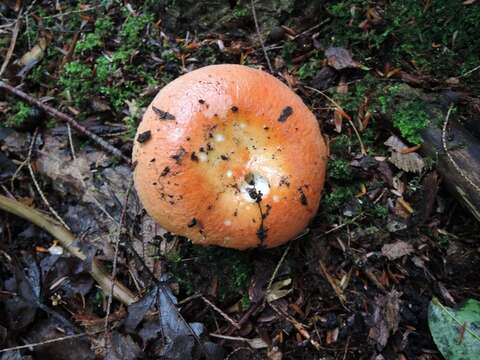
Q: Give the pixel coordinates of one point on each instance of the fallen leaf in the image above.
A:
(456, 332)
(123, 348)
(385, 318)
(324, 79)
(178, 338)
(274, 354)
(340, 58)
(257, 343)
(33, 56)
(48, 329)
(332, 336)
(402, 157)
(397, 250)
(277, 290)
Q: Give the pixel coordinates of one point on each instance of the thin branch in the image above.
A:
(470, 71)
(217, 309)
(115, 258)
(362, 147)
(67, 240)
(29, 346)
(449, 155)
(35, 182)
(70, 140)
(257, 27)
(65, 118)
(13, 42)
(275, 272)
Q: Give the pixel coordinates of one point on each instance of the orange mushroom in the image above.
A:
(228, 155)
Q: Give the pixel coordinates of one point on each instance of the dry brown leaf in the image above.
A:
(402, 158)
(385, 318)
(277, 290)
(340, 58)
(397, 249)
(35, 54)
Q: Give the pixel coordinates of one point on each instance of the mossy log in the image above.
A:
(454, 149)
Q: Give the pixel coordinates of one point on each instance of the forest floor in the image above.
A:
(356, 285)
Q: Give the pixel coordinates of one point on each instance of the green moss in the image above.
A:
(245, 302)
(339, 169)
(407, 112)
(77, 81)
(92, 41)
(21, 113)
(104, 26)
(338, 197)
(379, 211)
(341, 145)
(411, 119)
(440, 38)
(131, 32)
(232, 268)
(89, 42)
(308, 70)
(289, 48)
(104, 69)
(118, 95)
(240, 12)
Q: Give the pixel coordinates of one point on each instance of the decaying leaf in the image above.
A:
(179, 339)
(277, 290)
(340, 58)
(404, 160)
(33, 56)
(257, 343)
(397, 249)
(385, 318)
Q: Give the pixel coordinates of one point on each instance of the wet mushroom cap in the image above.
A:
(228, 155)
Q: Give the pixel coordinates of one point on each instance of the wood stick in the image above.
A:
(455, 149)
(65, 118)
(67, 240)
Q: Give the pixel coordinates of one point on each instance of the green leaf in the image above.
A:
(456, 332)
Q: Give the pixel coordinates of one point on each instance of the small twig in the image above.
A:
(450, 157)
(362, 147)
(241, 348)
(30, 346)
(21, 166)
(470, 71)
(297, 325)
(245, 317)
(225, 337)
(65, 118)
(115, 257)
(346, 348)
(70, 140)
(275, 272)
(67, 240)
(331, 281)
(315, 27)
(44, 198)
(37, 186)
(338, 227)
(72, 12)
(13, 42)
(217, 309)
(257, 27)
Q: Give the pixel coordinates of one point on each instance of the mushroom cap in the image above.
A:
(228, 155)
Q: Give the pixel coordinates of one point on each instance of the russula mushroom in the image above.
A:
(228, 155)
